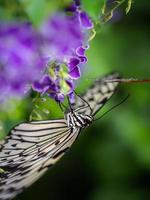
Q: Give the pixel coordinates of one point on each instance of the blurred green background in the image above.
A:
(111, 159)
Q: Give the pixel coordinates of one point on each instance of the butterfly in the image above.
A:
(33, 147)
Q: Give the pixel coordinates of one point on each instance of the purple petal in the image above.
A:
(80, 51)
(71, 84)
(71, 8)
(59, 97)
(43, 85)
(40, 88)
(85, 21)
(83, 59)
(20, 57)
(75, 73)
(73, 62)
(63, 34)
(37, 86)
(71, 97)
(45, 80)
(77, 2)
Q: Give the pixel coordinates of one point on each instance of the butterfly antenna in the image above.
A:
(129, 80)
(122, 80)
(62, 107)
(113, 107)
(70, 106)
(83, 100)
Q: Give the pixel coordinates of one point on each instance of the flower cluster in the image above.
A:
(49, 59)
(20, 58)
(66, 40)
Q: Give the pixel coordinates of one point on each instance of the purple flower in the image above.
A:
(20, 59)
(52, 87)
(77, 2)
(74, 70)
(85, 20)
(80, 51)
(63, 35)
(57, 49)
(65, 39)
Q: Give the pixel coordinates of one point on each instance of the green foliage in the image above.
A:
(1, 171)
(102, 9)
(10, 11)
(129, 4)
(39, 10)
(36, 10)
(108, 11)
(93, 8)
(41, 109)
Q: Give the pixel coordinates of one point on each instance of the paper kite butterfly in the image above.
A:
(32, 147)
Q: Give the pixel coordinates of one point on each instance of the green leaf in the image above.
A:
(93, 8)
(129, 4)
(39, 10)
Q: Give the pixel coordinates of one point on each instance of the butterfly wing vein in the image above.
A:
(24, 162)
(31, 148)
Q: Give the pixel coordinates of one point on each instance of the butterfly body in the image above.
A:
(75, 120)
(32, 147)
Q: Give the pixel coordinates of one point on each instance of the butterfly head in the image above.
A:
(75, 120)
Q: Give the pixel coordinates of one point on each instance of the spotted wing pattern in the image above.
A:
(96, 96)
(29, 150)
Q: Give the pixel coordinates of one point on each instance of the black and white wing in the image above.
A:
(29, 150)
(97, 95)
